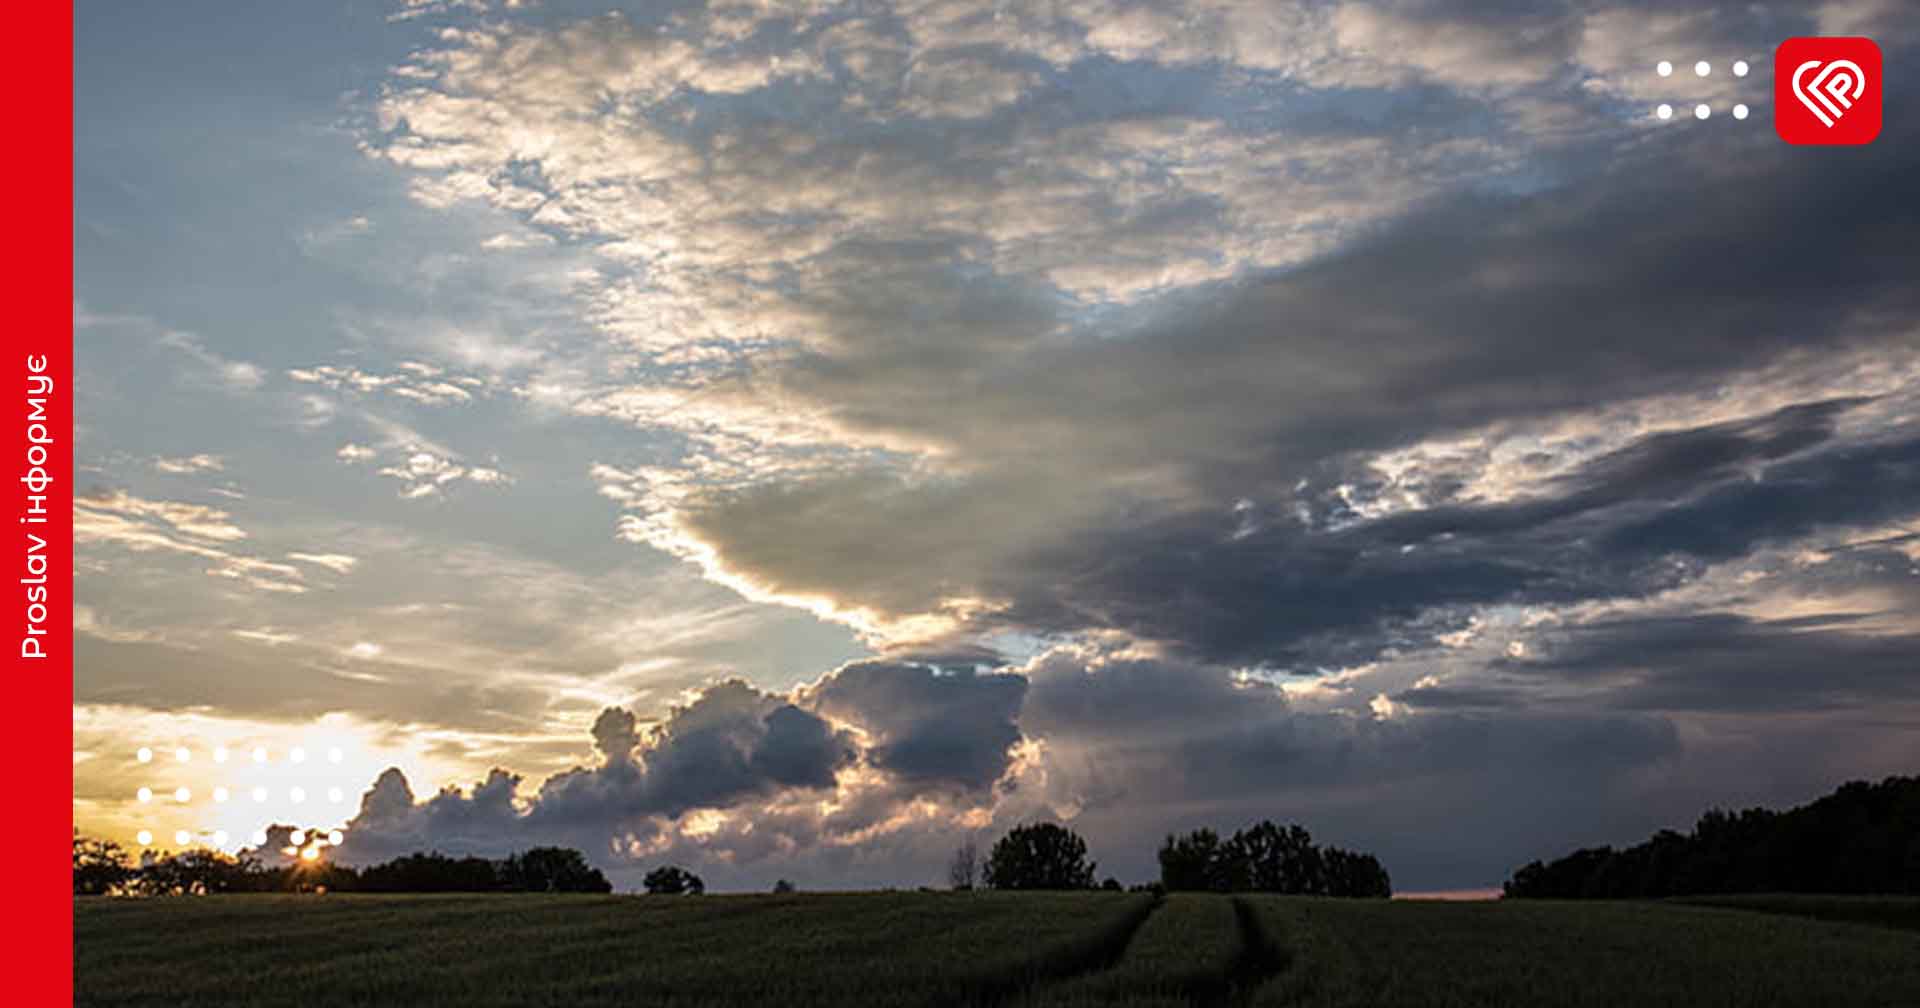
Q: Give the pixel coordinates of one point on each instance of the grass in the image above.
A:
(826, 949)
(1185, 952)
(1005, 950)
(1883, 911)
(1577, 954)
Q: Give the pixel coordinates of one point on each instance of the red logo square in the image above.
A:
(1826, 91)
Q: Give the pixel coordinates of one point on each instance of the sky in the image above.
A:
(790, 438)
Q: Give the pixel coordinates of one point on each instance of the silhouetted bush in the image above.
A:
(433, 872)
(1863, 838)
(673, 880)
(552, 869)
(99, 866)
(1266, 857)
(1040, 856)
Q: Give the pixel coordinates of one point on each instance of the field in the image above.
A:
(1001, 949)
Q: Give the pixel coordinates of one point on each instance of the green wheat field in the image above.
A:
(989, 948)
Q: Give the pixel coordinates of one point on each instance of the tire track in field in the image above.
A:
(1106, 950)
(1262, 957)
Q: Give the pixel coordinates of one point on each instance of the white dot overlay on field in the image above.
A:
(182, 795)
(1663, 68)
(145, 755)
(259, 794)
(145, 837)
(220, 794)
(1702, 68)
(182, 837)
(219, 838)
(145, 795)
(297, 795)
(297, 837)
(1665, 111)
(336, 838)
(1740, 68)
(1739, 111)
(1702, 111)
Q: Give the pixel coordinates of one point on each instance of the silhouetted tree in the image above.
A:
(964, 869)
(1195, 862)
(436, 872)
(197, 872)
(783, 887)
(1266, 857)
(1863, 838)
(673, 880)
(1040, 856)
(1282, 860)
(99, 866)
(1358, 876)
(1112, 885)
(552, 869)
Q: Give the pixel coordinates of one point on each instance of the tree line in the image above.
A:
(102, 867)
(1264, 857)
(1042, 855)
(1863, 838)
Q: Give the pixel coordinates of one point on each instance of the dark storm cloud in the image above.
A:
(929, 726)
(1287, 594)
(1728, 663)
(732, 742)
(1144, 746)
(1097, 473)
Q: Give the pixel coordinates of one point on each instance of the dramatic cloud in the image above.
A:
(813, 433)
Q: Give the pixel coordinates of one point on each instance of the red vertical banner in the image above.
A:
(37, 370)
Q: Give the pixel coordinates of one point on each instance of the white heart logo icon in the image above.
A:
(1832, 91)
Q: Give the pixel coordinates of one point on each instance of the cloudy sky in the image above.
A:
(788, 437)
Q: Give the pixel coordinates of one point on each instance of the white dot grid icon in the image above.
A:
(223, 793)
(1702, 111)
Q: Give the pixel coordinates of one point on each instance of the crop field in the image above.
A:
(1886, 911)
(998, 949)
